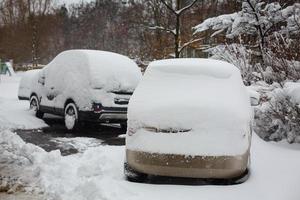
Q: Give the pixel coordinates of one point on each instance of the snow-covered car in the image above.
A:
(189, 118)
(85, 85)
(28, 78)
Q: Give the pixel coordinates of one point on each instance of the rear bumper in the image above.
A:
(220, 167)
(106, 115)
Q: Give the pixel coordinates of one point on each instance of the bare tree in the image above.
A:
(177, 10)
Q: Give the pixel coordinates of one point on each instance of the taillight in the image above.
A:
(97, 108)
(130, 131)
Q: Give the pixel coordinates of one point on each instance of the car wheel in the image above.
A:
(71, 116)
(133, 175)
(35, 106)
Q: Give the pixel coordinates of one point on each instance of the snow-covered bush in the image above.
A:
(278, 117)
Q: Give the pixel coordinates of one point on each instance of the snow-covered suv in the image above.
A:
(85, 85)
(189, 118)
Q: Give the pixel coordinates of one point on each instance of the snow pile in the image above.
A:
(14, 114)
(16, 161)
(92, 174)
(205, 98)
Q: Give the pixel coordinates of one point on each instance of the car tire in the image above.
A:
(133, 175)
(35, 106)
(71, 116)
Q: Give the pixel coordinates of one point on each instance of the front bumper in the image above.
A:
(106, 115)
(220, 167)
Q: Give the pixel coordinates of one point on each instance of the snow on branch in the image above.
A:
(180, 11)
(255, 16)
(221, 22)
(162, 29)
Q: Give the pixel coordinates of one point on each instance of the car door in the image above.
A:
(48, 93)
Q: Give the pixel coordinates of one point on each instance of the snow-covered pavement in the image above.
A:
(96, 172)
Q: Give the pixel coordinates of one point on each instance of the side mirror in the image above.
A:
(254, 101)
(254, 96)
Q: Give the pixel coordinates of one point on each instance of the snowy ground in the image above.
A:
(14, 113)
(96, 172)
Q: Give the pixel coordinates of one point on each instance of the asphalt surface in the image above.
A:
(45, 137)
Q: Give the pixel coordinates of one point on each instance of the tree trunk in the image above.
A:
(177, 53)
(177, 30)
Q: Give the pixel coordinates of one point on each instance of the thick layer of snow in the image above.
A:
(88, 76)
(98, 174)
(15, 114)
(28, 79)
(204, 96)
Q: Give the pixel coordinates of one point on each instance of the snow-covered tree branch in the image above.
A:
(257, 19)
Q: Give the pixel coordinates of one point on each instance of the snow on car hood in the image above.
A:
(204, 96)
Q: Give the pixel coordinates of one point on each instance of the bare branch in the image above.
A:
(169, 7)
(189, 43)
(182, 10)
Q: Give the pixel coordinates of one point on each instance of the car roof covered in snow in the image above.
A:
(195, 66)
(106, 70)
